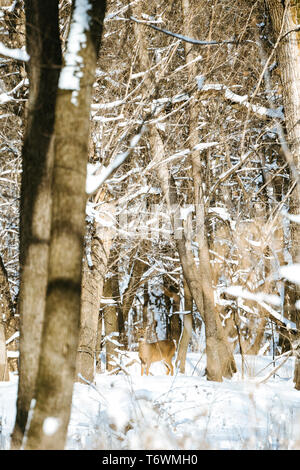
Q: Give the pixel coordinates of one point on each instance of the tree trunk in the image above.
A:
(187, 329)
(43, 45)
(175, 328)
(220, 360)
(175, 320)
(217, 347)
(138, 269)
(92, 288)
(99, 343)
(285, 20)
(4, 376)
(62, 315)
(145, 305)
(111, 324)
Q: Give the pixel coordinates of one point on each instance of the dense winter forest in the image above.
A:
(149, 211)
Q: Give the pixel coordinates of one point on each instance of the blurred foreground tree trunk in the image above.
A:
(285, 18)
(60, 294)
(44, 48)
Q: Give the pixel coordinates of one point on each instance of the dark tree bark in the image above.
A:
(60, 334)
(174, 323)
(43, 45)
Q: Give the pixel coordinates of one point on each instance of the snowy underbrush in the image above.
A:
(254, 410)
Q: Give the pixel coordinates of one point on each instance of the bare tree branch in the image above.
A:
(187, 39)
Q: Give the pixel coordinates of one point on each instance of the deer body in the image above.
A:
(153, 352)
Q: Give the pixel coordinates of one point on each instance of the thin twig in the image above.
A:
(276, 369)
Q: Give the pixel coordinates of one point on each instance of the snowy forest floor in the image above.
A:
(183, 412)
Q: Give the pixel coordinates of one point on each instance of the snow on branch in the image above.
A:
(115, 15)
(94, 181)
(183, 153)
(13, 337)
(16, 54)
(238, 291)
(72, 71)
(261, 110)
(6, 97)
(263, 300)
(291, 272)
(292, 217)
(160, 101)
(243, 100)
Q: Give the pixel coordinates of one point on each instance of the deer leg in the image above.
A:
(169, 367)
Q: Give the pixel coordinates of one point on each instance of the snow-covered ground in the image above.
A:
(183, 412)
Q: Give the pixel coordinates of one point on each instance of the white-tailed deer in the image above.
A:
(153, 352)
